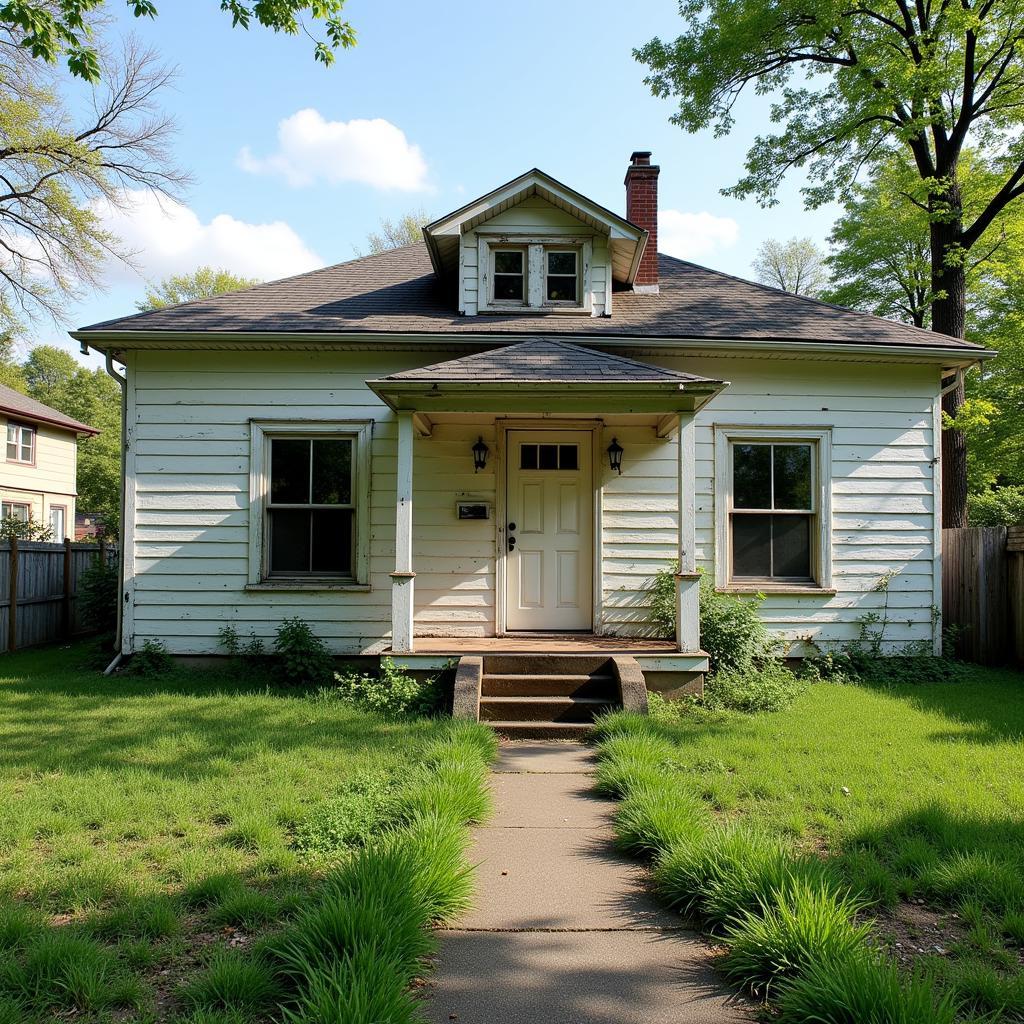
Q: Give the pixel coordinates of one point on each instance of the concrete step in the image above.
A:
(546, 664)
(542, 709)
(514, 684)
(541, 730)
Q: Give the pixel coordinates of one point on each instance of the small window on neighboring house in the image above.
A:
(58, 522)
(562, 280)
(509, 275)
(772, 518)
(15, 510)
(21, 443)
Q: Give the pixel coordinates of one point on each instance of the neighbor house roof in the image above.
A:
(397, 292)
(14, 403)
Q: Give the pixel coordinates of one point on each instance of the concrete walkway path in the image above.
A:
(564, 930)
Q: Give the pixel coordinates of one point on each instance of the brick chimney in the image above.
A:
(642, 210)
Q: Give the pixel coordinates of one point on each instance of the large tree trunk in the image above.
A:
(949, 313)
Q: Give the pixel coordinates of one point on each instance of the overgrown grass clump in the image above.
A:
(796, 927)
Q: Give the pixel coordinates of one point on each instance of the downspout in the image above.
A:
(122, 383)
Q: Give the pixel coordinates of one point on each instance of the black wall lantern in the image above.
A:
(615, 455)
(480, 451)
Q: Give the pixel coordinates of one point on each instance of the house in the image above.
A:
(499, 434)
(37, 478)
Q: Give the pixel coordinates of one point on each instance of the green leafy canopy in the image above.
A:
(51, 28)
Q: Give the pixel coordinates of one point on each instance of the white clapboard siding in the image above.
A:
(191, 465)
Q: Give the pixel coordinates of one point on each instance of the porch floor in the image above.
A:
(547, 643)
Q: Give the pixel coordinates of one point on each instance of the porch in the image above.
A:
(549, 410)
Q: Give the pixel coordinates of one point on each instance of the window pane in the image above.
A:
(751, 546)
(548, 456)
(12, 433)
(561, 289)
(332, 541)
(12, 449)
(332, 471)
(57, 523)
(752, 476)
(508, 262)
(508, 288)
(289, 539)
(527, 456)
(562, 263)
(568, 456)
(791, 546)
(792, 475)
(26, 449)
(289, 471)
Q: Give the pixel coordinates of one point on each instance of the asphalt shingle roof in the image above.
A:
(14, 403)
(544, 359)
(398, 292)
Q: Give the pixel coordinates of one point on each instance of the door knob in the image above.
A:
(511, 543)
(511, 526)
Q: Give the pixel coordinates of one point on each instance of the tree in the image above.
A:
(49, 29)
(796, 266)
(393, 234)
(90, 396)
(854, 82)
(200, 284)
(58, 169)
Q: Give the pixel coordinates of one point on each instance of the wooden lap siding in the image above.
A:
(191, 459)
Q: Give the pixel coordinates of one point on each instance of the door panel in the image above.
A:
(549, 499)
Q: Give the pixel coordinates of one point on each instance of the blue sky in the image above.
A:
(451, 99)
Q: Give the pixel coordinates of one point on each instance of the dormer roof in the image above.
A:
(626, 240)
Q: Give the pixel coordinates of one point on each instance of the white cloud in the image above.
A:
(167, 237)
(311, 148)
(694, 236)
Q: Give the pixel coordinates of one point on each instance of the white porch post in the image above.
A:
(403, 577)
(687, 579)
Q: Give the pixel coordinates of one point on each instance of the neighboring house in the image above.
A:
(88, 525)
(509, 428)
(38, 476)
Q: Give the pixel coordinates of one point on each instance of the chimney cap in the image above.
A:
(640, 157)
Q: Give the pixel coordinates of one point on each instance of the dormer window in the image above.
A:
(562, 285)
(509, 275)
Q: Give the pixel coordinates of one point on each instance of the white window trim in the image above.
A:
(536, 272)
(261, 433)
(821, 553)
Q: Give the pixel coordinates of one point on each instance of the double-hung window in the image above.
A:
(542, 276)
(21, 443)
(562, 282)
(16, 510)
(773, 508)
(510, 275)
(309, 503)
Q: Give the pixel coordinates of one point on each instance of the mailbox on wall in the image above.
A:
(473, 510)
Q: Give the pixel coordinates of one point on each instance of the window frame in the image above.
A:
(820, 440)
(493, 257)
(564, 303)
(21, 427)
(262, 433)
(17, 504)
(535, 249)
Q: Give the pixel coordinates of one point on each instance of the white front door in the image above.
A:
(549, 554)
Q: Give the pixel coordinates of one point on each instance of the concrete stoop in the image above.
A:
(564, 929)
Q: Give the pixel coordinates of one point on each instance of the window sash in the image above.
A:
(553, 277)
(519, 277)
(771, 445)
(20, 443)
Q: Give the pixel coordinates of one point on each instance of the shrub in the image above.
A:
(244, 652)
(391, 692)
(862, 990)
(767, 687)
(302, 657)
(731, 631)
(1001, 506)
(791, 930)
(662, 604)
(98, 598)
(152, 660)
(12, 527)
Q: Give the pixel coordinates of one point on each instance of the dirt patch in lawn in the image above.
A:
(911, 931)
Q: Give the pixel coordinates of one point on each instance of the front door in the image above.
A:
(549, 532)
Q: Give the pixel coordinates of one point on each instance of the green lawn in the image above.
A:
(916, 791)
(162, 821)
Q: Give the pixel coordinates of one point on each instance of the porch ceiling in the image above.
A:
(544, 375)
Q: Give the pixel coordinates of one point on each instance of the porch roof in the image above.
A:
(545, 375)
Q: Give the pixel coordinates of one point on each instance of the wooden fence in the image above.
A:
(983, 592)
(39, 585)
